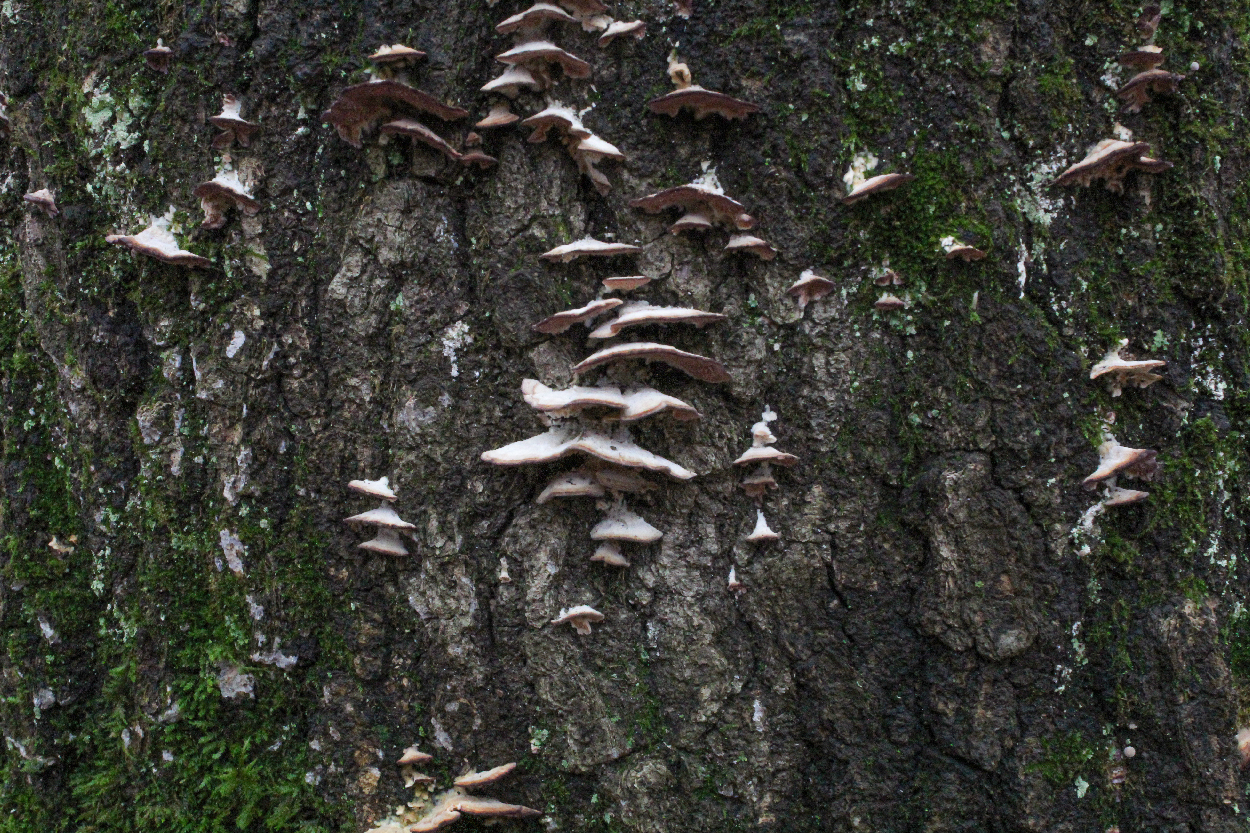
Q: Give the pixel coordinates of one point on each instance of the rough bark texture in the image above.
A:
(928, 648)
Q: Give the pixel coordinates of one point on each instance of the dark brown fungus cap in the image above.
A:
(360, 106)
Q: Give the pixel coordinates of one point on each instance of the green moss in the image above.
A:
(1065, 757)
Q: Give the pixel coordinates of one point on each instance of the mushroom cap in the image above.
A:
(758, 482)
(510, 83)
(1136, 91)
(159, 242)
(598, 147)
(499, 116)
(576, 483)
(1123, 372)
(441, 815)
(810, 287)
(703, 102)
(555, 114)
(414, 129)
(481, 779)
(413, 755)
(691, 221)
(217, 195)
(641, 403)
(1115, 459)
(609, 553)
(734, 584)
(536, 18)
(364, 104)
(889, 302)
(571, 400)
(491, 807)
(1111, 159)
(382, 516)
(700, 367)
(561, 321)
(876, 185)
(559, 442)
(380, 488)
(766, 454)
(641, 313)
(625, 284)
(588, 247)
(750, 243)
(476, 157)
(1143, 57)
(386, 541)
(396, 53)
(545, 52)
(695, 196)
(1117, 496)
(762, 532)
(230, 120)
(623, 524)
(579, 617)
(620, 28)
(44, 199)
(887, 277)
(959, 249)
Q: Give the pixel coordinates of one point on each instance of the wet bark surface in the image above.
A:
(938, 642)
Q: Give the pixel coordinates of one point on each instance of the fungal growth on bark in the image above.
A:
(390, 60)
(810, 287)
(859, 186)
(889, 302)
(588, 247)
(1143, 57)
(220, 194)
(512, 81)
(1115, 460)
(1112, 160)
(538, 57)
(429, 813)
(384, 518)
(233, 127)
(749, 243)
(580, 617)
(703, 203)
(584, 146)
(620, 28)
(44, 200)
(157, 241)
(1121, 373)
(1137, 91)
(956, 248)
(158, 57)
(760, 480)
(700, 101)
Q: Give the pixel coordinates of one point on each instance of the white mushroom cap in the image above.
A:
(1117, 496)
(876, 185)
(810, 287)
(579, 617)
(384, 515)
(510, 83)
(413, 755)
(744, 242)
(387, 542)
(1114, 459)
(888, 301)
(534, 19)
(571, 400)
(481, 779)
(504, 578)
(609, 553)
(623, 524)
(640, 313)
(555, 114)
(641, 403)
(588, 246)
(761, 531)
(560, 441)
(761, 434)
(543, 51)
(1121, 372)
(597, 148)
(625, 284)
(955, 248)
(757, 483)
(561, 321)
(159, 242)
(620, 480)
(734, 584)
(620, 28)
(44, 199)
(766, 454)
(380, 488)
(222, 192)
(576, 483)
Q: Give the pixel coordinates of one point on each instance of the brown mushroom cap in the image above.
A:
(1112, 159)
(545, 52)
(490, 807)
(219, 194)
(1123, 497)
(703, 103)
(561, 321)
(232, 124)
(43, 199)
(641, 313)
(476, 157)
(625, 283)
(413, 755)
(1115, 459)
(700, 367)
(1122, 372)
(1143, 57)
(500, 115)
(158, 57)
(876, 185)
(1137, 91)
(534, 19)
(693, 197)
(588, 247)
(158, 242)
(414, 129)
(810, 287)
(362, 105)
(556, 115)
(609, 553)
(623, 524)
(579, 617)
(386, 541)
(752, 244)
(481, 779)
(510, 83)
(889, 302)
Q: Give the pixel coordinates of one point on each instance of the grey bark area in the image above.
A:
(943, 639)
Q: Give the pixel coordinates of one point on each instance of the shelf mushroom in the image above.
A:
(763, 457)
(361, 106)
(1115, 460)
(1137, 90)
(620, 28)
(743, 242)
(459, 801)
(1120, 372)
(810, 287)
(642, 313)
(386, 519)
(626, 283)
(956, 248)
(1112, 160)
(1142, 58)
(220, 194)
(588, 247)
(157, 241)
(44, 200)
(762, 532)
(889, 302)
(158, 57)
(391, 59)
(539, 55)
(860, 187)
(703, 203)
(702, 102)
(580, 617)
(700, 367)
(232, 125)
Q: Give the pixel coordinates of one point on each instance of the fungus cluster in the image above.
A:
(233, 127)
(593, 421)
(860, 186)
(1147, 59)
(954, 248)
(761, 457)
(427, 813)
(1112, 160)
(701, 101)
(809, 287)
(1120, 372)
(887, 278)
(385, 519)
(157, 241)
(703, 205)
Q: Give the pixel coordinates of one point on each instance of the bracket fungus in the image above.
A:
(411, 755)
(889, 302)
(534, 20)
(1116, 496)
(159, 242)
(955, 248)
(1137, 90)
(562, 440)
(537, 56)
(580, 617)
(44, 200)
(702, 102)
(810, 287)
(642, 313)
(220, 194)
(631, 406)
(361, 106)
(734, 584)
(761, 454)
(859, 187)
(623, 524)
(388, 524)
(1121, 372)
(510, 83)
(1115, 459)
(743, 242)
(620, 28)
(232, 125)
(563, 119)
(609, 553)
(1112, 160)
(704, 198)
(458, 801)
(591, 150)
(158, 57)
(700, 367)
(1143, 57)
(589, 247)
(762, 532)
(561, 321)
(396, 55)
(500, 115)
(413, 129)
(576, 483)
